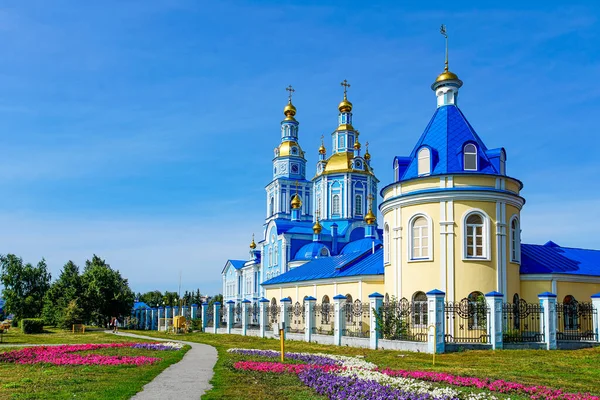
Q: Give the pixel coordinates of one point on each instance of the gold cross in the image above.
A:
(346, 85)
(370, 197)
(291, 90)
(367, 145)
(297, 187)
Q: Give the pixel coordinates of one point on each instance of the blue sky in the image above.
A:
(143, 131)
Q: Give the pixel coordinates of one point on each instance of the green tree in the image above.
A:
(72, 314)
(105, 292)
(170, 298)
(24, 286)
(61, 293)
(214, 299)
(153, 298)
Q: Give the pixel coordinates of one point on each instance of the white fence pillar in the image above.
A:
(375, 303)
(338, 319)
(309, 317)
(204, 316)
(194, 312)
(494, 302)
(216, 319)
(285, 317)
(549, 321)
(161, 315)
(595, 311)
(229, 310)
(246, 304)
(435, 321)
(168, 315)
(264, 316)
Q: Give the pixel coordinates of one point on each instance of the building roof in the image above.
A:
(137, 305)
(360, 245)
(237, 264)
(551, 258)
(445, 135)
(343, 265)
(312, 250)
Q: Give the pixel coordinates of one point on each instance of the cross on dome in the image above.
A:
(291, 90)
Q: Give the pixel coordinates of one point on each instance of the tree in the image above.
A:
(72, 314)
(214, 299)
(24, 286)
(170, 298)
(153, 298)
(105, 292)
(62, 292)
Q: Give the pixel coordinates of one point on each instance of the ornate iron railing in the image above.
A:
(222, 316)
(274, 312)
(210, 316)
(323, 319)
(467, 321)
(357, 318)
(253, 313)
(296, 318)
(522, 322)
(403, 320)
(575, 321)
(237, 315)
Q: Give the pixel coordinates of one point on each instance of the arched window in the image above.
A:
(271, 256)
(272, 206)
(570, 308)
(325, 299)
(477, 311)
(386, 235)
(325, 310)
(335, 207)
(470, 157)
(420, 309)
(475, 236)
(515, 240)
(419, 238)
(424, 161)
(276, 254)
(358, 208)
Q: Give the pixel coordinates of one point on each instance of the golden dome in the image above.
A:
(342, 162)
(317, 228)
(345, 105)
(287, 149)
(356, 144)
(296, 202)
(322, 149)
(370, 217)
(447, 76)
(367, 155)
(252, 244)
(289, 110)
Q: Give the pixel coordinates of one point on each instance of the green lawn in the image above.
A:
(81, 382)
(574, 371)
(59, 336)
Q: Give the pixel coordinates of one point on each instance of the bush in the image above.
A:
(14, 323)
(196, 324)
(32, 325)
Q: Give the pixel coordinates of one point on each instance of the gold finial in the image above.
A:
(252, 244)
(356, 143)
(289, 110)
(443, 32)
(367, 154)
(446, 75)
(317, 228)
(370, 217)
(322, 148)
(345, 105)
(296, 202)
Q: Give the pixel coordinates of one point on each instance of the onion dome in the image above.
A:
(345, 106)
(252, 244)
(317, 228)
(370, 218)
(296, 202)
(367, 155)
(289, 110)
(322, 149)
(356, 144)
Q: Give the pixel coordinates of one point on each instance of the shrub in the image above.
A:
(196, 324)
(32, 325)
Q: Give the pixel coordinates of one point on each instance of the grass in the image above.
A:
(573, 370)
(59, 336)
(41, 381)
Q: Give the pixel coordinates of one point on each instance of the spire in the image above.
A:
(296, 202)
(289, 110)
(345, 106)
(322, 149)
(370, 218)
(447, 83)
(367, 154)
(317, 228)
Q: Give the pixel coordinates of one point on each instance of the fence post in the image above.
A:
(194, 312)
(435, 310)
(168, 314)
(152, 315)
(245, 304)
(285, 317)
(204, 316)
(550, 319)
(309, 317)
(338, 318)
(161, 312)
(596, 309)
(375, 302)
(494, 302)
(217, 308)
(229, 310)
(264, 316)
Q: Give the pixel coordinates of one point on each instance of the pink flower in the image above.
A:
(279, 368)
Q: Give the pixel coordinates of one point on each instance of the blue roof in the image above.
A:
(553, 259)
(445, 135)
(237, 264)
(351, 264)
(360, 245)
(285, 226)
(140, 305)
(311, 250)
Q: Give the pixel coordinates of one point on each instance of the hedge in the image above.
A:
(32, 325)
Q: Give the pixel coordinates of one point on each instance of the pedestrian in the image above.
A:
(112, 324)
(116, 325)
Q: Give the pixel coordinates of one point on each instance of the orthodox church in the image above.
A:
(451, 221)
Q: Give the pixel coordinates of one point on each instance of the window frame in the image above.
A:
(419, 158)
(387, 244)
(419, 310)
(335, 197)
(410, 247)
(515, 239)
(358, 204)
(486, 241)
(476, 154)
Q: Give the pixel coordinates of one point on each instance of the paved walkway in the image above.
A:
(186, 380)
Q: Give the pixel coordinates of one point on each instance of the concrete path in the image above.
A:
(186, 380)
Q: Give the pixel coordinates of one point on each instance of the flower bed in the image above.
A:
(341, 377)
(68, 354)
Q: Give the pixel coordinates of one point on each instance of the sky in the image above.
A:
(143, 131)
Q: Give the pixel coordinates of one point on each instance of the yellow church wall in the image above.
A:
(484, 181)
(530, 290)
(329, 288)
(582, 291)
(420, 184)
(512, 186)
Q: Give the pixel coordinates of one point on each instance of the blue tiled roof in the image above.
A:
(360, 245)
(553, 259)
(137, 305)
(285, 226)
(310, 251)
(445, 135)
(237, 264)
(351, 264)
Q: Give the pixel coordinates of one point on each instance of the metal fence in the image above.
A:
(467, 321)
(357, 319)
(210, 316)
(323, 319)
(575, 321)
(274, 311)
(253, 313)
(403, 320)
(296, 318)
(522, 322)
(222, 320)
(237, 315)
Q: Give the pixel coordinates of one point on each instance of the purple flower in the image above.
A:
(306, 358)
